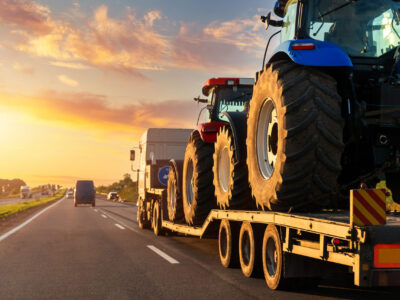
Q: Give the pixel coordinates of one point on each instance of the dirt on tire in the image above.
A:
(236, 193)
(174, 198)
(197, 180)
(309, 139)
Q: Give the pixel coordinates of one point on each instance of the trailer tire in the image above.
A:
(156, 219)
(174, 198)
(294, 138)
(272, 258)
(231, 184)
(228, 244)
(198, 190)
(142, 217)
(250, 250)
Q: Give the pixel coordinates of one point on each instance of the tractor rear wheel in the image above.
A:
(232, 189)
(174, 197)
(197, 181)
(294, 138)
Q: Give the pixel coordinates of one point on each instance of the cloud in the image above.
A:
(26, 14)
(95, 112)
(23, 69)
(76, 66)
(131, 43)
(67, 81)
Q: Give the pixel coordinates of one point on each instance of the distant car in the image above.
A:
(113, 196)
(70, 195)
(85, 193)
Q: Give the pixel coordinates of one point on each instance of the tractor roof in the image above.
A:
(213, 82)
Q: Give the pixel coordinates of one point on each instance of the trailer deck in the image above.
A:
(330, 238)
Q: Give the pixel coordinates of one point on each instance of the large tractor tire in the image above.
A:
(232, 189)
(197, 181)
(174, 198)
(294, 138)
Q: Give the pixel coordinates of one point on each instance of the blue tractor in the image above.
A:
(325, 111)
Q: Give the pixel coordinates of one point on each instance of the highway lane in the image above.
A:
(92, 253)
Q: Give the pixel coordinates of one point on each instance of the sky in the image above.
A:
(80, 81)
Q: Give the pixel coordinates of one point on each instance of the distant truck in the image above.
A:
(44, 190)
(26, 192)
(85, 193)
(156, 147)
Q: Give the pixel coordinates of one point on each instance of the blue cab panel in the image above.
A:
(325, 54)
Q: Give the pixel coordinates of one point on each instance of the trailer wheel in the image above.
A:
(294, 138)
(198, 190)
(272, 258)
(156, 219)
(174, 198)
(232, 189)
(228, 244)
(142, 216)
(249, 250)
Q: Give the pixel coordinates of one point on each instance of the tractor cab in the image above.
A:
(224, 95)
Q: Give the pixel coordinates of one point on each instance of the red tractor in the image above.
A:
(191, 191)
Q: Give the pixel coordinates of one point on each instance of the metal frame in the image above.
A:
(323, 225)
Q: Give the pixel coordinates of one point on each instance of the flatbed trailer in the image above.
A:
(314, 244)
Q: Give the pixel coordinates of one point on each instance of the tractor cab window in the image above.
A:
(232, 99)
(362, 29)
(289, 21)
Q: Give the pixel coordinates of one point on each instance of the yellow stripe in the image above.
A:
(373, 203)
(365, 212)
(357, 221)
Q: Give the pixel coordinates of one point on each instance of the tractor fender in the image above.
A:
(177, 165)
(325, 54)
(238, 123)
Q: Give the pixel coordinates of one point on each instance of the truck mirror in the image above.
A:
(199, 100)
(132, 155)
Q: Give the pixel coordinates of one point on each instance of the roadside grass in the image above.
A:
(10, 209)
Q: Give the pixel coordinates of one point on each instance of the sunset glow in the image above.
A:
(81, 81)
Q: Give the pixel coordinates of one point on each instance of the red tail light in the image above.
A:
(303, 46)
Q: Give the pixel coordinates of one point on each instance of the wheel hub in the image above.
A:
(267, 138)
(224, 169)
(189, 183)
(172, 193)
(246, 248)
(272, 257)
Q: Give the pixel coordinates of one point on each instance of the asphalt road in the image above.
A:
(11, 200)
(100, 253)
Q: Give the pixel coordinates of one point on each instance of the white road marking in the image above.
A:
(119, 226)
(119, 221)
(104, 216)
(163, 254)
(14, 230)
(95, 210)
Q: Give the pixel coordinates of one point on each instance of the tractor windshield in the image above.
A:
(363, 29)
(232, 99)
